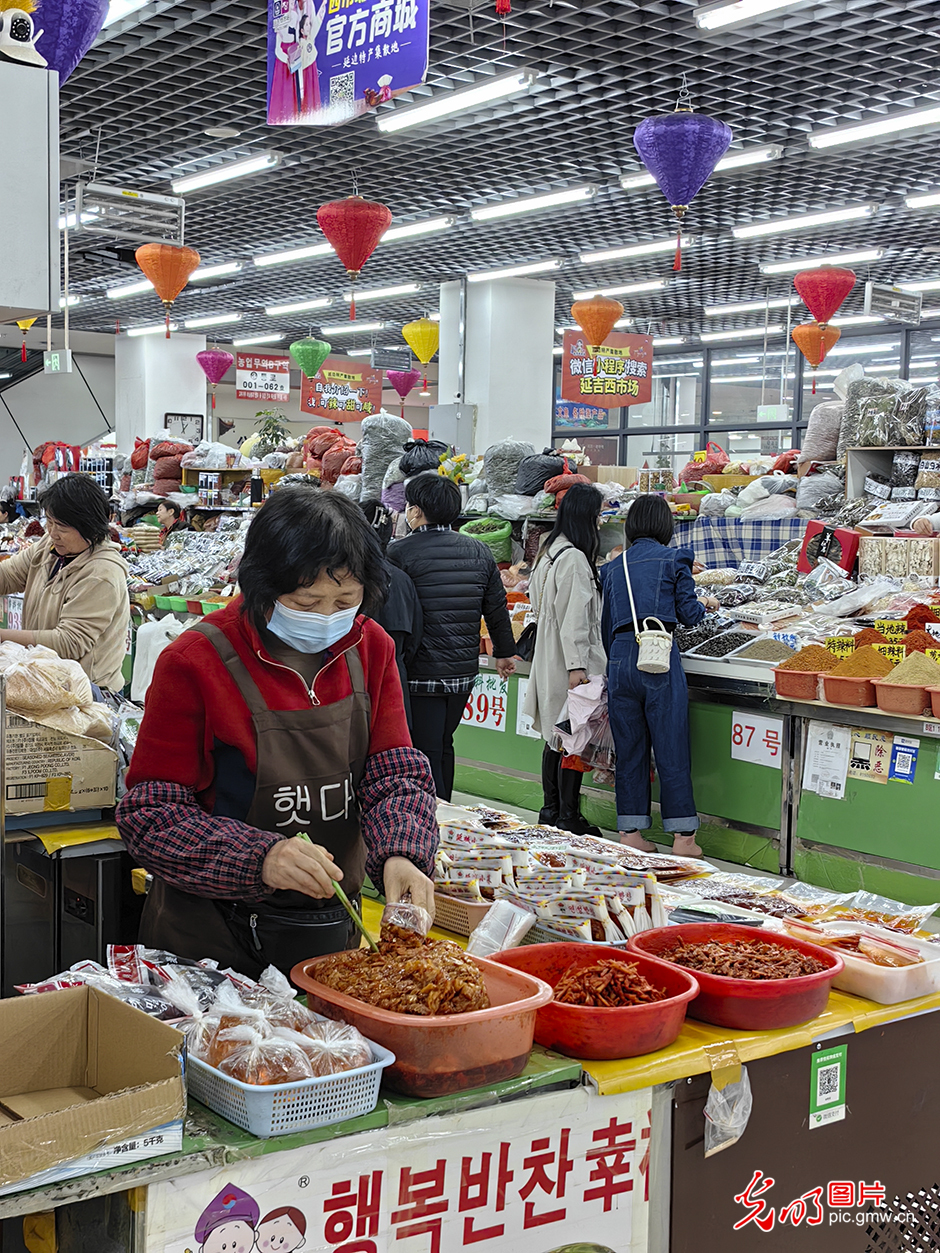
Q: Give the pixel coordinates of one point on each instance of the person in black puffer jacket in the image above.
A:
(457, 583)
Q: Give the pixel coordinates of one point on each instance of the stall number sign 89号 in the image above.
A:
(486, 707)
(756, 739)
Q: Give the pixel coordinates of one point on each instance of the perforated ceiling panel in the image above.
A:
(143, 98)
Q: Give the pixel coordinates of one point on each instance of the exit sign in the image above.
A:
(57, 361)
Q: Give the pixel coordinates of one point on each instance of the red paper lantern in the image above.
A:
(824, 289)
(814, 341)
(354, 227)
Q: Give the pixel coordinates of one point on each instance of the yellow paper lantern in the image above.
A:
(423, 337)
(24, 323)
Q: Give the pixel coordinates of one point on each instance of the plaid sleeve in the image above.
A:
(399, 810)
(173, 837)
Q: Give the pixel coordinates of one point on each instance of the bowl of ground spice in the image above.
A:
(851, 682)
(798, 677)
(904, 690)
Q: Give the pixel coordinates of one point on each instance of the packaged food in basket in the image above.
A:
(331, 1047)
(262, 1060)
(276, 1000)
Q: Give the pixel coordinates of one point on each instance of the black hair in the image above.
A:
(171, 504)
(649, 518)
(76, 500)
(437, 497)
(380, 520)
(577, 522)
(297, 534)
(9, 508)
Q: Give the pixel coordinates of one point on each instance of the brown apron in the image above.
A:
(310, 763)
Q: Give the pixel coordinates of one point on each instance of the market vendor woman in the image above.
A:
(278, 715)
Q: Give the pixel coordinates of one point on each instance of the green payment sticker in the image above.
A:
(827, 1086)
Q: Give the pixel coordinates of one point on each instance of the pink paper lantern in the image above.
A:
(215, 365)
(403, 381)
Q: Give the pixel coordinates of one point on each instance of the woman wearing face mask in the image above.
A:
(279, 715)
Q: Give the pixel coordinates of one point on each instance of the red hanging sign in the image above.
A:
(344, 390)
(617, 374)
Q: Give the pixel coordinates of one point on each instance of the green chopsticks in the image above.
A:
(346, 903)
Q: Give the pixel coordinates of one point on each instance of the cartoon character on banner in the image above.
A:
(282, 1231)
(228, 1223)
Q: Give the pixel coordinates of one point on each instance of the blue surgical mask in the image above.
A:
(311, 632)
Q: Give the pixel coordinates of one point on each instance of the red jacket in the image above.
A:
(193, 706)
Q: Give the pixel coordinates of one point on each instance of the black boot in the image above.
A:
(551, 767)
(570, 816)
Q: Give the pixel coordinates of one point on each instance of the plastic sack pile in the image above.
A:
(44, 688)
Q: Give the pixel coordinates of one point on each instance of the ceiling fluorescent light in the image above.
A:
(919, 202)
(631, 289)
(724, 16)
(748, 378)
(514, 271)
(750, 306)
(733, 161)
(428, 227)
(434, 317)
(257, 339)
(531, 204)
(634, 250)
(224, 173)
(219, 319)
(447, 103)
(72, 300)
(70, 220)
(850, 350)
(666, 340)
(878, 128)
(714, 337)
(359, 352)
(155, 328)
(803, 221)
(129, 289)
(925, 284)
(300, 306)
(855, 319)
(832, 258)
(556, 352)
(215, 271)
(293, 254)
(623, 322)
(352, 328)
(119, 9)
(382, 293)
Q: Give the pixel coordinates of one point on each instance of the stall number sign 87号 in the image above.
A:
(486, 707)
(756, 739)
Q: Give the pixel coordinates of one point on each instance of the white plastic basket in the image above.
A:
(461, 917)
(279, 1108)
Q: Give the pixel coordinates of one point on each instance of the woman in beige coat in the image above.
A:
(74, 583)
(566, 598)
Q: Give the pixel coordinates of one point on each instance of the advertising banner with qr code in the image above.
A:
(333, 60)
(344, 390)
(619, 373)
(535, 1175)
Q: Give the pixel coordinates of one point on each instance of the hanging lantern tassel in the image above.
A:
(352, 296)
(23, 349)
(680, 211)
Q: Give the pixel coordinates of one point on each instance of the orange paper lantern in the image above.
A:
(814, 341)
(596, 317)
(168, 267)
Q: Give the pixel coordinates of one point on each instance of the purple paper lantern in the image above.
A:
(215, 365)
(403, 381)
(69, 28)
(681, 150)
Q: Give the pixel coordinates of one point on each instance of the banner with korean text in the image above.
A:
(332, 60)
(261, 376)
(534, 1175)
(618, 373)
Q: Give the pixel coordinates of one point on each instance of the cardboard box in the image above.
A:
(626, 476)
(82, 1070)
(48, 771)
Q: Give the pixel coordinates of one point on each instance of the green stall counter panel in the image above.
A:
(739, 791)
(894, 820)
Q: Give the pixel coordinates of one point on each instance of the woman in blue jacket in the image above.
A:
(650, 710)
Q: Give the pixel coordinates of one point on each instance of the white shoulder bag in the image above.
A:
(655, 645)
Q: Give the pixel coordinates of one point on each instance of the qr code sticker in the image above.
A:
(904, 763)
(827, 1084)
(343, 88)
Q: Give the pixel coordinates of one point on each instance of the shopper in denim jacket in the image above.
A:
(650, 710)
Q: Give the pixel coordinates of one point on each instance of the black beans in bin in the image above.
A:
(721, 645)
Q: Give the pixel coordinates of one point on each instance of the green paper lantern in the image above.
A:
(310, 355)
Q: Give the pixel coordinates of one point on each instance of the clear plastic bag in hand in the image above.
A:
(408, 916)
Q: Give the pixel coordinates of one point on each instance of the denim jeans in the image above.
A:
(650, 711)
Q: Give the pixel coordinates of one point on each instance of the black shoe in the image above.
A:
(578, 825)
(570, 819)
(548, 817)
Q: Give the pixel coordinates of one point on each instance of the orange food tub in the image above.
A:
(440, 1054)
(902, 698)
(934, 700)
(797, 684)
(849, 691)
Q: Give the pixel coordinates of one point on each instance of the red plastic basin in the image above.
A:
(604, 1034)
(747, 1004)
(797, 684)
(436, 1055)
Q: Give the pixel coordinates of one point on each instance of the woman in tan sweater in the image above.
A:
(74, 583)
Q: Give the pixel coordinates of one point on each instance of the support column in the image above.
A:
(507, 358)
(154, 376)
